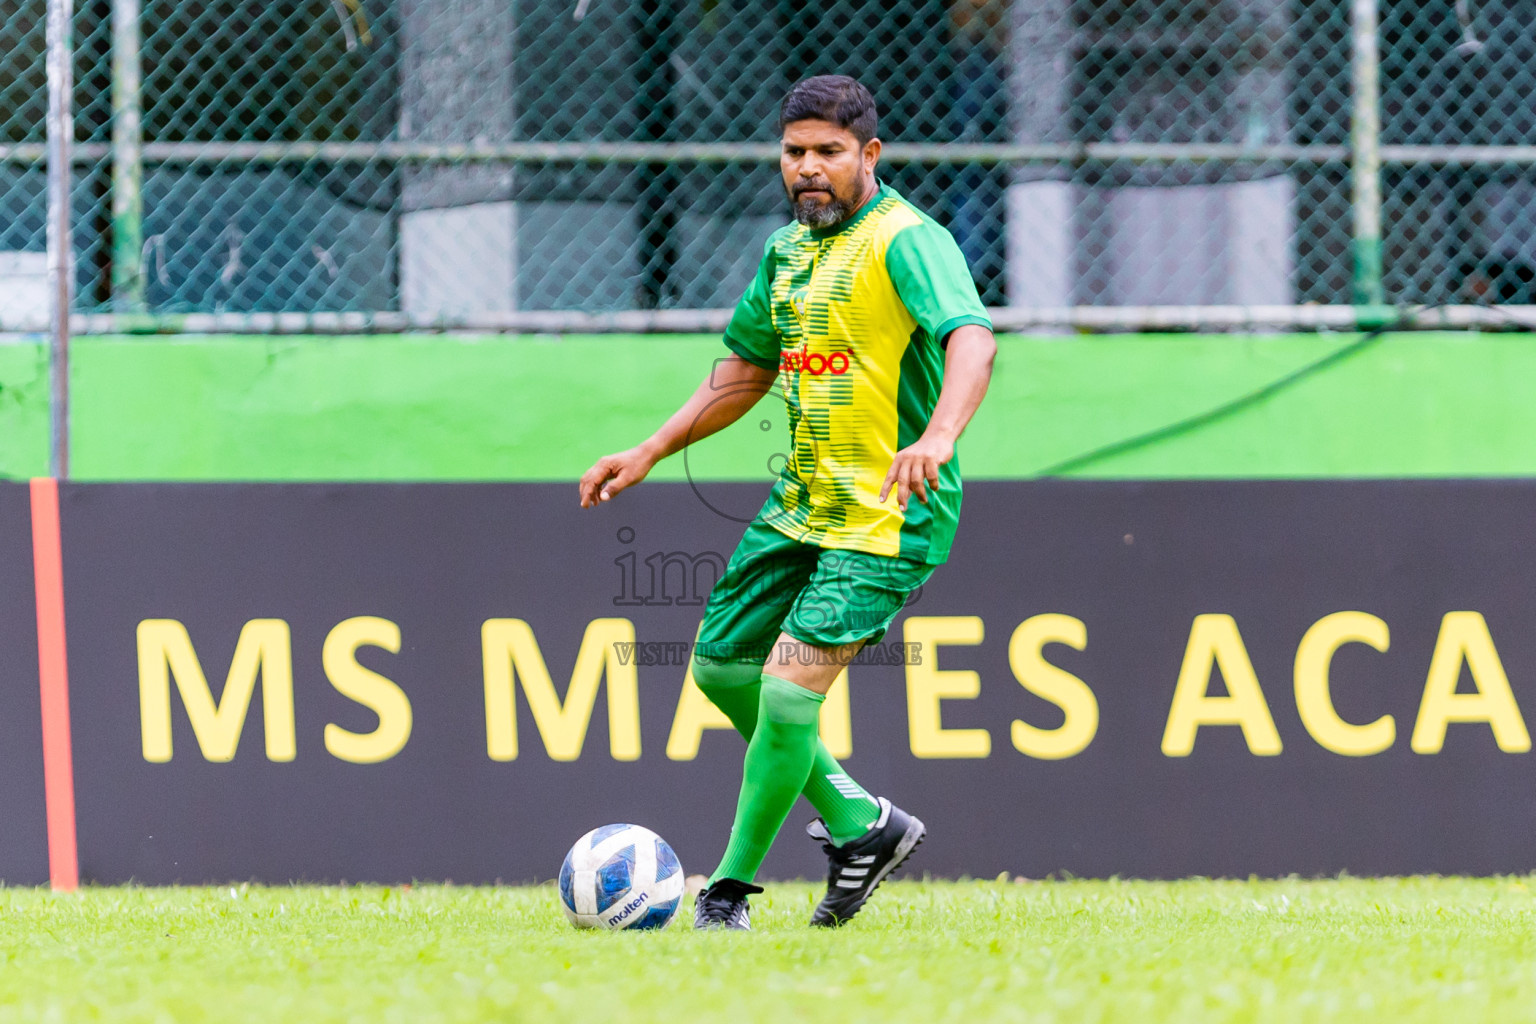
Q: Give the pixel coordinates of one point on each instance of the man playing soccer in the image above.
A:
(866, 307)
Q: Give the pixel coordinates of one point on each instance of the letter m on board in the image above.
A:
(511, 654)
(263, 650)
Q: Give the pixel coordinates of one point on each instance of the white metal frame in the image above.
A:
(1006, 319)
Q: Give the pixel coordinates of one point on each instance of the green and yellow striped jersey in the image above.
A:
(855, 317)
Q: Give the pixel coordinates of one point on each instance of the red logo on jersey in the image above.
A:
(815, 364)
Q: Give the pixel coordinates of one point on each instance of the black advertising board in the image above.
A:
(24, 839)
(370, 682)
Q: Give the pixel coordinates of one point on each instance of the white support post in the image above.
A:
(61, 132)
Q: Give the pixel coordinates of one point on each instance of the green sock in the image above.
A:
(848, 810)
(778, 763)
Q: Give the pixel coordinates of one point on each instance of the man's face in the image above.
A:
(827, 174)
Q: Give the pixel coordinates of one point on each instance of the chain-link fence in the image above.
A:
(448, 160)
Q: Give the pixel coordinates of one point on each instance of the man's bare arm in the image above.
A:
(967, 371)
(732, 388)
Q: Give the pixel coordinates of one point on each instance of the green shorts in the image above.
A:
(819, 596)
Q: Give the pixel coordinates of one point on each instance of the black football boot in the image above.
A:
(724, 905)
(855, 870)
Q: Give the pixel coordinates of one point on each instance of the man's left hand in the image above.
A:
(916, 468)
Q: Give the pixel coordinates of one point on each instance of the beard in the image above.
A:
(821, 215)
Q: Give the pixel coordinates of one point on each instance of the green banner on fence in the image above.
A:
(500, 408)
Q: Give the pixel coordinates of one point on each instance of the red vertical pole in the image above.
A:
(53, 675)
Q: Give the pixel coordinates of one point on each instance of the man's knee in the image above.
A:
(712, 676)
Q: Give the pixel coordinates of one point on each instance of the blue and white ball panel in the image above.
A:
(621, 877)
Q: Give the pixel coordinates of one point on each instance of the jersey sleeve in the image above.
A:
(933, 282)
(751, 333)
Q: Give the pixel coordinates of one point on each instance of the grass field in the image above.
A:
(1422, 949)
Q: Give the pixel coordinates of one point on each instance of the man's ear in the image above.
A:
(871, 154)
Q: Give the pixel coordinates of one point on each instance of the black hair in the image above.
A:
(836, 99)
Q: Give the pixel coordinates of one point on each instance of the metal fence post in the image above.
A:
(1365, 160)
(127, 159)
(61, 130)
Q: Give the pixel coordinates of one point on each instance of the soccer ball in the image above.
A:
(621, 877)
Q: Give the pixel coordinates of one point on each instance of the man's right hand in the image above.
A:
(732, 387)
(613, 473)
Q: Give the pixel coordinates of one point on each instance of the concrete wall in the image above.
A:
(1147, 234)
